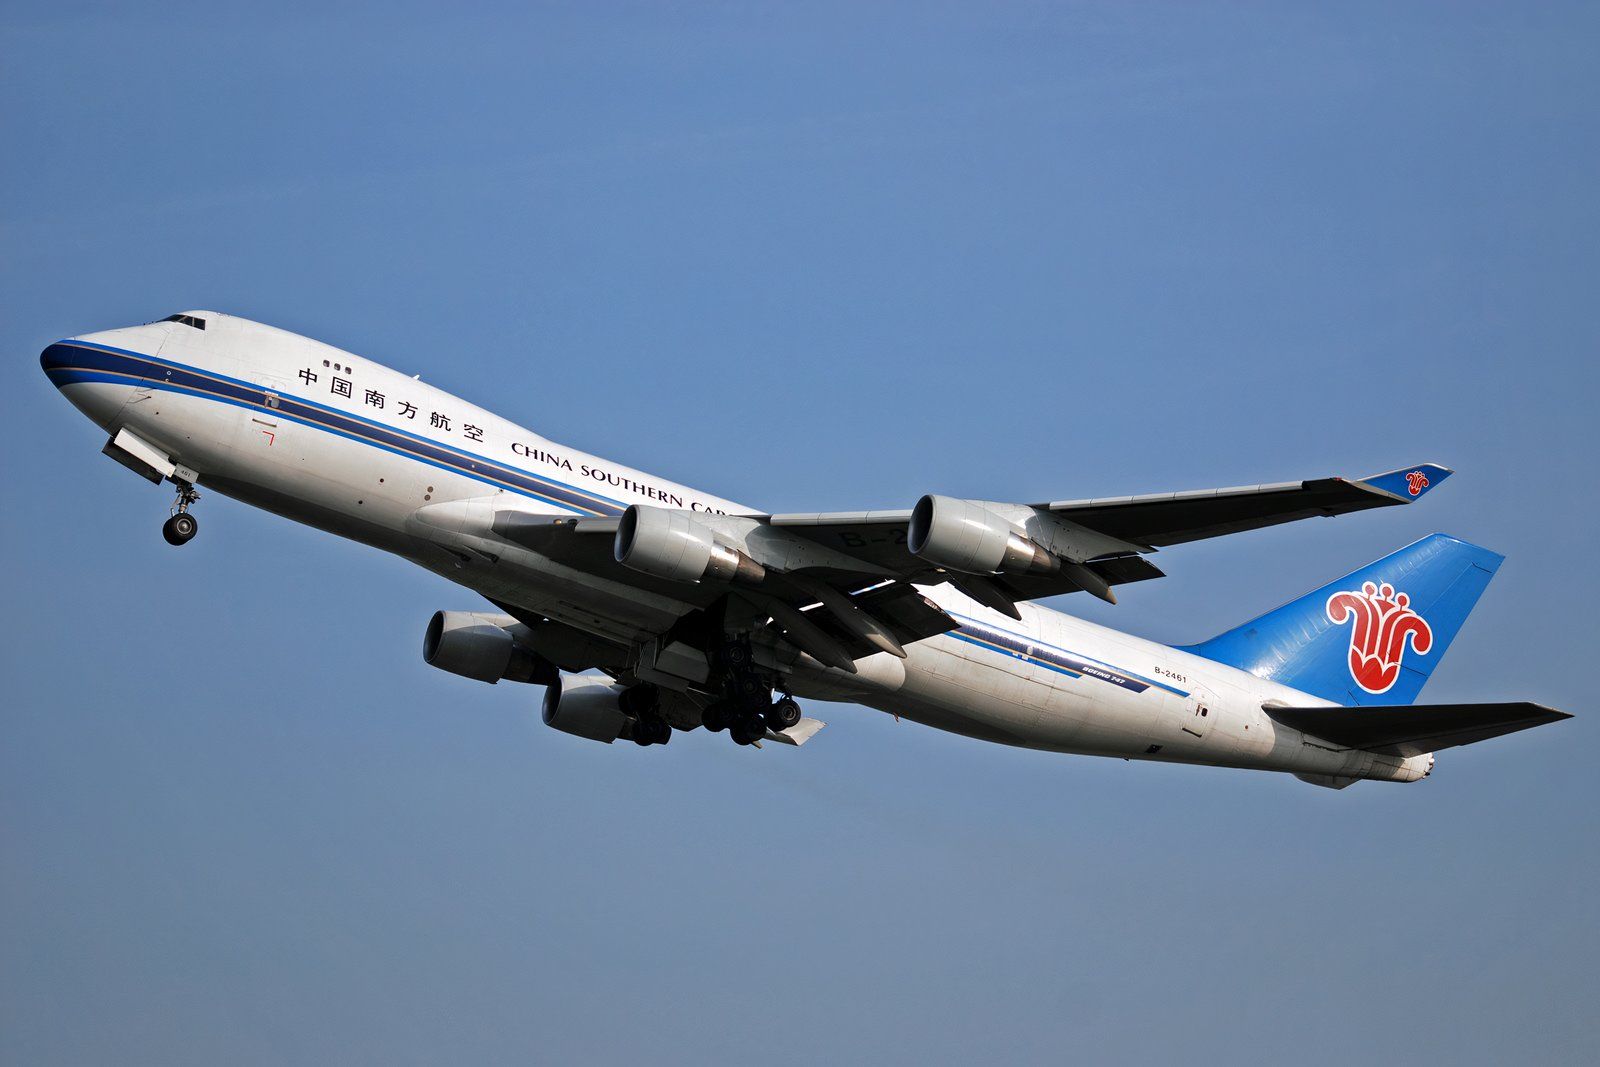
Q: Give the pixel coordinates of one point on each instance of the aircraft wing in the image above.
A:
(1173, 518)
(1106, 536)
(1157, 519)
(842, 585)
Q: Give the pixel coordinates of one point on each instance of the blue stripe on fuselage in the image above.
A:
(68, 362)
(1020, 646)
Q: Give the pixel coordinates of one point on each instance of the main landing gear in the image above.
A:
(181, 527)
(746, 709)
(784, 713)
(643, 702)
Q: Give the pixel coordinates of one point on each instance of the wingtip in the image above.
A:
(1407, 484)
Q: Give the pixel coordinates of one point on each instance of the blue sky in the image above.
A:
(807, 257)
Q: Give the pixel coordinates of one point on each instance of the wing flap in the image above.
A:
(901, 608)
(1118, 570)
(1411, 730)
(798, 734)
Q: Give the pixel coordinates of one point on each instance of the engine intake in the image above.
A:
(672, 544)
(478, 647)
(585, 707)
(965, 536)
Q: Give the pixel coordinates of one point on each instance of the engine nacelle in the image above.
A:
(476, 646)
(672, 544)
(585, 707)
(965, 536)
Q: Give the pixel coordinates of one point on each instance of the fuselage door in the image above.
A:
(263, 430)
(1199, 713)
(272, 390)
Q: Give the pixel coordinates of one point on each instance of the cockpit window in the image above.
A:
(187, 320)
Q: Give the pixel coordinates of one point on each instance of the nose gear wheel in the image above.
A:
(181, 527)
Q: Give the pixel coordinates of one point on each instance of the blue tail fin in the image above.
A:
(1372, 637)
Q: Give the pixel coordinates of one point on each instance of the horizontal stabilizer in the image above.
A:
(1411, 730)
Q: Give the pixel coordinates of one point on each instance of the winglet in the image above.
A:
(1408, 483)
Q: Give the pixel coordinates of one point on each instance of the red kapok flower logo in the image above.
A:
(1416, 482)
(1383, 623)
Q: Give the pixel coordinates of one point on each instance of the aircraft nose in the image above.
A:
(56, 361)
(88, 357)
(86, 377)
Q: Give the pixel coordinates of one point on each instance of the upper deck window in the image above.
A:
(187, 320)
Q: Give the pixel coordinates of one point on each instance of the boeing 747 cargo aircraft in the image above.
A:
(647, 608)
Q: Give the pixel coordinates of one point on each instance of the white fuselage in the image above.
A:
(330, 439)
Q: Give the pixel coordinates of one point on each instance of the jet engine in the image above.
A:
(586, 707)
(673, 544)
(965, 536)
(477, 646)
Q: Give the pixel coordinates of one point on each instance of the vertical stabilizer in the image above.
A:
(1372, 637)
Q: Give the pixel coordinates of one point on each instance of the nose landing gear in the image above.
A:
(181, 527)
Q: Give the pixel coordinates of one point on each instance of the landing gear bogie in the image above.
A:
(651, 730)
(716, 716)
(643, 702)
(747, 725)
(747, 730)
(751, 690)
